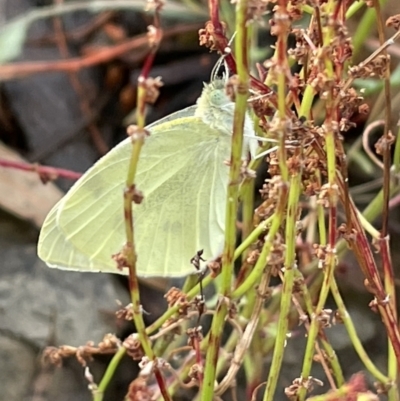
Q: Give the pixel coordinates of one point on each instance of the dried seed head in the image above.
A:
(52, 355)
(298, 286)
(121, 260)
(195, 372)
(375, 68)
(298, 383)
(295, 11)
(155, 5)
(280, 22)
(175, 297)
(394, 22)
(109, 343)
(207, 35)
(135, 133)
(252, 257)
(195, 335)
(384, 143)
(84, 353)
(324, 318)
(152, 86)
(152, 35)
(215, 267)
(139, 390)
(133, 347)
(262, 108)
(382, 388)
(337, 318)
(125, 312)
(363, 109)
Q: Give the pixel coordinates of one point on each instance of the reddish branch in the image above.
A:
(46, 173)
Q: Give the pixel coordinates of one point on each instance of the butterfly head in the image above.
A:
(216, 94)
(214, 106)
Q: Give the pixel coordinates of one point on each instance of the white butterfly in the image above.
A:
(184, 179)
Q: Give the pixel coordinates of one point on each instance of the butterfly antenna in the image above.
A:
(217, 66)
(222, 60)
(232, 38)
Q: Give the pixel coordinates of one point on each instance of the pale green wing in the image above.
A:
(184, 180)
(57, 251)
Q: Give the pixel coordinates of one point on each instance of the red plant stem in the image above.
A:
(363, 251)
(386, 149)
(388, 271)
(161, 384)
(359, 243)
(46, 173)
(101, 56)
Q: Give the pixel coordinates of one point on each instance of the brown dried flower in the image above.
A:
(154, 5)
(195, 372)
(394, 22)
(139, 390)
(375, 68)
(135, 133)
(176, 297)
(215, 267)
(133, 347)
(207, 36)
(152, 87)
(384, 143)
(324, 318)
(195, 335)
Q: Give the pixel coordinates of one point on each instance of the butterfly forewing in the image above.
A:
(183, 177)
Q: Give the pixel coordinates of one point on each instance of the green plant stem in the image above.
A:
(109, 373)
(291, 217)
(131, 253)
(363, 252)
(389, 284)
(242, 347)
(306, 103)
(218, 321)
(355, 340)
(256, 273)
(208, 279)
(357, 5)
(363, 27)
(247, 213)
(331, 355)
(396, 156)
(252, 237)
(393, 369)
(388, 274)
(332, 197)
(333, 361)
(241, 46)
(289, 274)
(138, 142)
(237, 145)
(315, 323)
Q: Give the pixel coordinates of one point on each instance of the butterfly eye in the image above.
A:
(218, 98)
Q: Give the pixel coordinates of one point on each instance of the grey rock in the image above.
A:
(41, 306)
